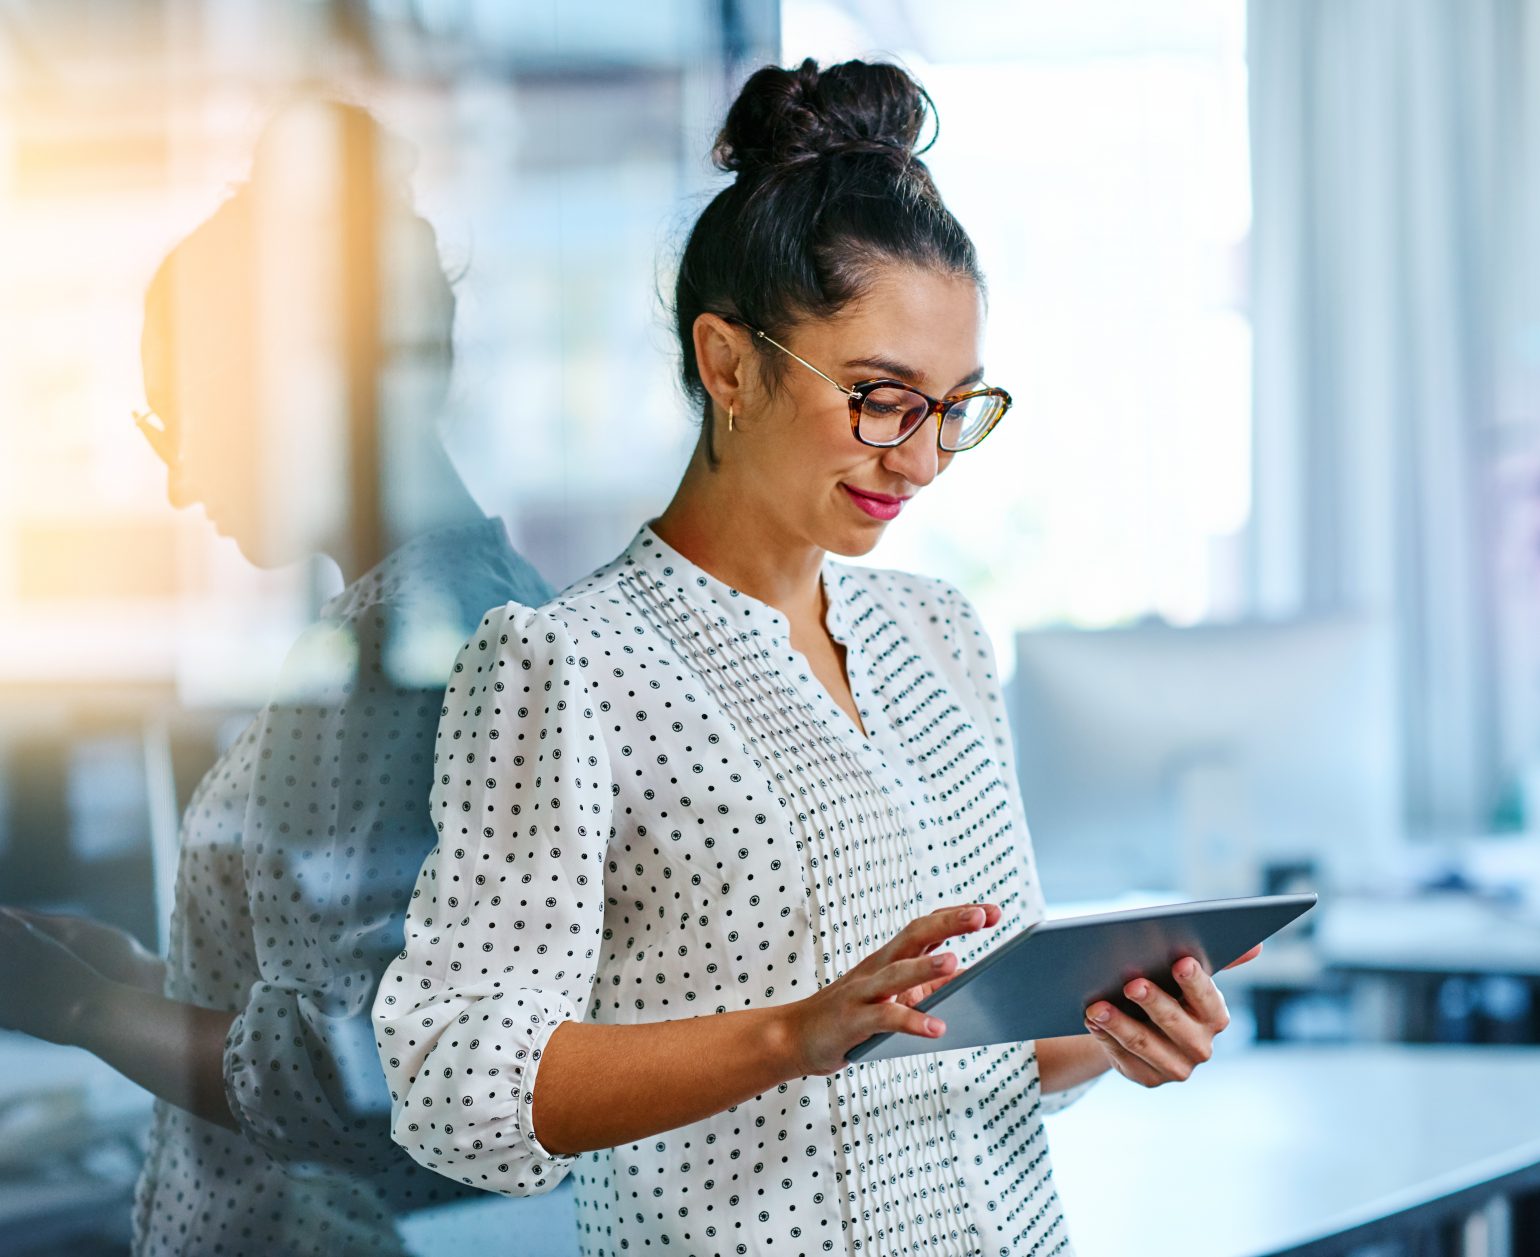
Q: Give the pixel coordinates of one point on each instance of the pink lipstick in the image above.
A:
(877, 505)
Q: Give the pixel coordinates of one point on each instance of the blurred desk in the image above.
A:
(1433, 967)
(1429, 968)
(1438, 968)
(1432, 933)
(71, 1130)
(1310, 1150)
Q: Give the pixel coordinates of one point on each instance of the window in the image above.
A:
(1098, 157)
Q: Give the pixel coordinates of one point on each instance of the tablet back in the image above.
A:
(1039, 983)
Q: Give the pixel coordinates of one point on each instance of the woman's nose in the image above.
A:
(178, 492)
(917, 460)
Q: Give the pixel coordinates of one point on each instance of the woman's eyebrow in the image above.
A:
(899, 371)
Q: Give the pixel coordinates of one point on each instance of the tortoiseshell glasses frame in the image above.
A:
(885, 405)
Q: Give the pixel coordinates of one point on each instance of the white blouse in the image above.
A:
(298, 851)
(649, 808)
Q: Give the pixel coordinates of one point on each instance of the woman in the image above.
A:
(300, 845)
(706, 818)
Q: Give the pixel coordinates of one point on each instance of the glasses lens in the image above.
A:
(966, 422)
(889, 414)
(157, 433)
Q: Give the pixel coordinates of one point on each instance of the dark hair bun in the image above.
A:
(830, 188)
(787, 118)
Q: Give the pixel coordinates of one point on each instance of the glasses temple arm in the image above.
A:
(847, 391)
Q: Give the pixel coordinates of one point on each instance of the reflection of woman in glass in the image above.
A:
(706, 817)
(299, 847)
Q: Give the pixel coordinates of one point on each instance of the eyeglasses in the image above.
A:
(886, 413)
(157, 432)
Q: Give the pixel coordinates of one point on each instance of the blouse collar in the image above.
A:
(649, 551)
(417, 560)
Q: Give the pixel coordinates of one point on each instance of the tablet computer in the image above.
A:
(1039, 983)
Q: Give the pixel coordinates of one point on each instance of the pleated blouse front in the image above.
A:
(649, 808)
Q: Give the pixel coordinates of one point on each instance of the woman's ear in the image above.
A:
(723, 357)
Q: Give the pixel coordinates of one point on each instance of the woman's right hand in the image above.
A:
(879, 993)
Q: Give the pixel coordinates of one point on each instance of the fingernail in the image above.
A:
(938, 962)
(970, 916)
(1101, 1013)
(1138, 990)
(1187, 968)
(932, 1026)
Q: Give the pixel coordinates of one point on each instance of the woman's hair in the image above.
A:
(829, 187)
(202, 325)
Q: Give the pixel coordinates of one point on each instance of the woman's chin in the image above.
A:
(856, 542)
(255, 552)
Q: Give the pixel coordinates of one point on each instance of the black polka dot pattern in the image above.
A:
(299, 850)
(649, 808)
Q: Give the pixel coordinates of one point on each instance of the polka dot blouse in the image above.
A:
(649, 808)
(298, 853)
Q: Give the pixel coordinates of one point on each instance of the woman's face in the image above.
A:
(258, 470)
(207, 448)
(808, 472)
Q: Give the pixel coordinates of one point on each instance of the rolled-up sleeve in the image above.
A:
(333, 835)
(504, 926)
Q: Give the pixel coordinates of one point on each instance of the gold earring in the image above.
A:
(729, 416)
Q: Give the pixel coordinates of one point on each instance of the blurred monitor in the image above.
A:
(1194, 760)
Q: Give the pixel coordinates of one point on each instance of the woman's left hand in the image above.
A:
(43, 985)
(113, 953)
(1179, 1035)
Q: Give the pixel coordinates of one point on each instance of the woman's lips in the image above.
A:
(877, 505)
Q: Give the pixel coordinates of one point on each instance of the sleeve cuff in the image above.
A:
(1058, 1101)
(539, 1151)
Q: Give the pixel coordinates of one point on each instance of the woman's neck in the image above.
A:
(719, 526)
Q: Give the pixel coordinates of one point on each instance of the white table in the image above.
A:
(1274, 1148)
(63, 1106)
(1265, 1150)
